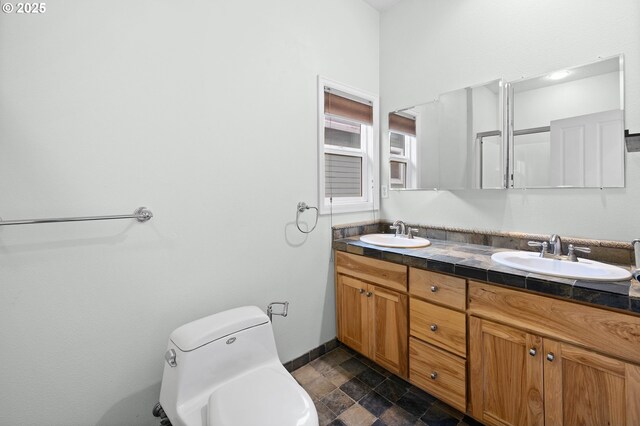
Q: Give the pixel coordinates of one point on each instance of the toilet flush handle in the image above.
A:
(170, 357)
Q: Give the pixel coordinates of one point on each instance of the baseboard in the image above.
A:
(314, 353)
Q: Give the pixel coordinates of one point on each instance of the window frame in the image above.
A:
(369, 152)
(409, 159)
(365, 134)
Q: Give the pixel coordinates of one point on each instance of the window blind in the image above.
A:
(402, 124)
(343, 176)
(341, 106)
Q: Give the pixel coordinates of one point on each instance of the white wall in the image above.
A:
(430, 46)
(206, 113)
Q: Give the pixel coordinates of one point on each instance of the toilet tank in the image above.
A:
(211, 351)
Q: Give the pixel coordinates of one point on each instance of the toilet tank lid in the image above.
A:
(205, 330)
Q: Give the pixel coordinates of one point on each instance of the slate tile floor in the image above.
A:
(350, 390)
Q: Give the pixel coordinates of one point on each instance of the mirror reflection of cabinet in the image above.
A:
(562, 129)
(453, 142)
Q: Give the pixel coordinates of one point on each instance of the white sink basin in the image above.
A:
(584, 269)
(390, 240)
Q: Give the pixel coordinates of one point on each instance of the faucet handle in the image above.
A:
(544, 246)
(537, 244)
(411, 231)
(582, 249)
(572, 252)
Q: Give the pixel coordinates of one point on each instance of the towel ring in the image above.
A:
(302, 206)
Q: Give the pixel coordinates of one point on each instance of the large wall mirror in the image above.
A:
(562, 129)
(567, 127)
(453, 142)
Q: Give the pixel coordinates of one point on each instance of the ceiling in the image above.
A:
(382, 4)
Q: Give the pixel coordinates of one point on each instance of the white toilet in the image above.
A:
(223, 370)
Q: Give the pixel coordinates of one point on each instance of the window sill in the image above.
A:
(346, 208)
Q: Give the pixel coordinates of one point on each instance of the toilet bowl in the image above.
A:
(224, 370)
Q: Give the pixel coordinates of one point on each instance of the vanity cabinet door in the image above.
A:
(352, 310)
(506, 374)
(585, 388)
(372, 320)
(389, 329)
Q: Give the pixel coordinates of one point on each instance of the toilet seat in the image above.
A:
(266, 396)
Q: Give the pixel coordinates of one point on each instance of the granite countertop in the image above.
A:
(474, 262)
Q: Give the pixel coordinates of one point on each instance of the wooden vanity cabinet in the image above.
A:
(372, 316)
(507, 357)
(438, 335)
(535, 371)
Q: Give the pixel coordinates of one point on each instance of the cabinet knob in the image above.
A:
(369, 294)
(434, 288)
(361, 290)
(434, 327)
(533, 352)
(551, 356)
(434, 375)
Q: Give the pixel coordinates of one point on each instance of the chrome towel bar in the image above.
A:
(142, 214)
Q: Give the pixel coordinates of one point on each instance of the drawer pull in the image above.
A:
(551, 356)
(434, 288)
(434, 327)
(361, 290)
(434, 375)
(533, 352)
(369, 294)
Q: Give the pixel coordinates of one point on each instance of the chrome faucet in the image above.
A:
(556, 245)
(399, 227)
(555, 252)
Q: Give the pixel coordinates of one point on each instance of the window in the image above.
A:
(403, 172)
(348, 148)
(399, 159)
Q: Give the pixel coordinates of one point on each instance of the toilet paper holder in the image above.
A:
(283, 313)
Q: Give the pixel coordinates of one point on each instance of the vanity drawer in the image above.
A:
(375, 271)
(438, 372)
(438, 288)
(439, 326)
